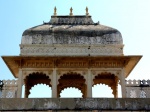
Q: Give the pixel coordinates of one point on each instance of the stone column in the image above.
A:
(54, 83)
(89, 84)
(20, 82)
(123, 86)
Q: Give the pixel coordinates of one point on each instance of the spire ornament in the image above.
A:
(87, 11)
(55, 11)
(71, 14)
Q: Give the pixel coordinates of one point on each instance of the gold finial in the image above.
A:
(87, 11)
(55, 9)
(71, 14)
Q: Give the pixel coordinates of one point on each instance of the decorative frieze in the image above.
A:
(108, 64)
(71, 62)
(37, 64)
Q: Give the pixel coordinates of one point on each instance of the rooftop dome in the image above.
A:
(71, 29)
(71, 35)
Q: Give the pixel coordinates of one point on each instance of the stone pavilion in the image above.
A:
(72, 51)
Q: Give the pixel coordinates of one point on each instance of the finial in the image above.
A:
(71, 14)
(55, 9)
(87, 11)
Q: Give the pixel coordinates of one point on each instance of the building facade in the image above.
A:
(72, 51)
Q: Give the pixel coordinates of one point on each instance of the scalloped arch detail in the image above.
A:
(68, 73)
(72, 80)
(103, 73)
(109, 79)
(106, 86)
(72, 87)
(36, 72)
(35, 78)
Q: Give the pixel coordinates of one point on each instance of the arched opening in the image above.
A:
(71, 93)
(40, 91)
(108, 79)
(101, 90)
(72, 80)
(34, 79)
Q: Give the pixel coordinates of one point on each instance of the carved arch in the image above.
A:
(72, 80)
(34, 79)
(27, 73)
(61, 73)
(109, 79)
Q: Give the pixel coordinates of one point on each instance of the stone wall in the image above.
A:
(68, 104)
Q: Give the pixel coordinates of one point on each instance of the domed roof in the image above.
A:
(71, 29)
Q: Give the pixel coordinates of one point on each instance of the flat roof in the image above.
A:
(15, 62)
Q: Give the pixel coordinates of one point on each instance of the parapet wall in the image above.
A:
(134, 88)
(9, 89)
(75, 104)
(141, 83)
(138, 88)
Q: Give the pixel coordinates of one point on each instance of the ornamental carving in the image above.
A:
(70, 64)
(109, 64)
(37, 64)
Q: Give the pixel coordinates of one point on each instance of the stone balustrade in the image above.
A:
(9, 88)
(139, 83)
(138, 88)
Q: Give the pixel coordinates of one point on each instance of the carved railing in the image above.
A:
(141, 83)
(9, 89)
(138, 88)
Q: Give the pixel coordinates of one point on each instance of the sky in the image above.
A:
(130, 17)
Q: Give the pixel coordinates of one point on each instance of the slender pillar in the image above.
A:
(123, 87)
(20, 82)
(54, 83)
(89, 84)
(116, 87)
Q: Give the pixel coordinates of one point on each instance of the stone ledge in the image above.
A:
(44, 104)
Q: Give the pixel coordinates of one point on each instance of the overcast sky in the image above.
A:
(130, 17)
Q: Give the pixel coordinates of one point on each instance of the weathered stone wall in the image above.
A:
(68, 104)
(71, 50)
